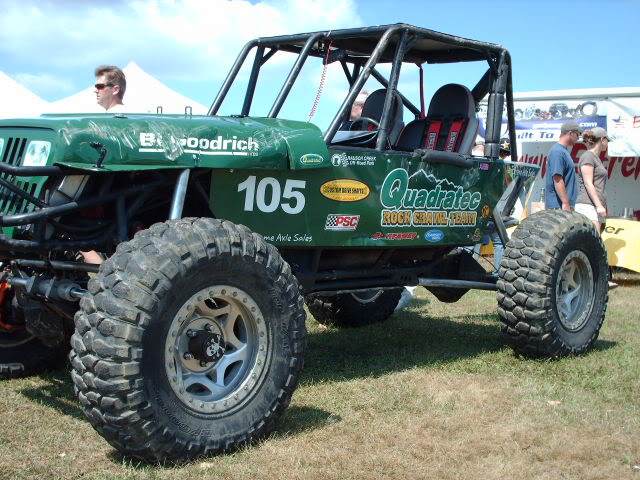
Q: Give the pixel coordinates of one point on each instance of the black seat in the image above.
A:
(451, 124)
(372, 110)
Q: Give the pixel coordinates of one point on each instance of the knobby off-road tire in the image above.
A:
(552, 290)
(181, 281)
(22, 354)
(355, 309)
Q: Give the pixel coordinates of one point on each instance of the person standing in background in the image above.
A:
(561, 188)
(592, 195)
(110, 86)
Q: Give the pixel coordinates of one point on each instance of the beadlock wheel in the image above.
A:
(239, 346)
(574, 291)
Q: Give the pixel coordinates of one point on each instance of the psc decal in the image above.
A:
(337, 221)
(345, 190)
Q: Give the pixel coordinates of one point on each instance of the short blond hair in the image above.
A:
(113, 75)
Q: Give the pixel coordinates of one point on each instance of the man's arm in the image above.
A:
(561, 190)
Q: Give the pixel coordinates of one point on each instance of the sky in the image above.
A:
(53, 46)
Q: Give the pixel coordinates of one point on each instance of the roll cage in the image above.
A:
(360, 50)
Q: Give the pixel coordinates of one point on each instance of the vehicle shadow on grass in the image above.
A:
(404, 341)
(56, 392)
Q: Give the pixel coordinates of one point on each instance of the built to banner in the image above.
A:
(539, 116)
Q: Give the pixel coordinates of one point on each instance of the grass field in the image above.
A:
(431, 393)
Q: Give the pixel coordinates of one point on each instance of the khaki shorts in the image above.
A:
(589, 211)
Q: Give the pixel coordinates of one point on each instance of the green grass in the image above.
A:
(431, 393)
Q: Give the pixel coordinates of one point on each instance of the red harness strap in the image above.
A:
(431, 140)
(454, 135)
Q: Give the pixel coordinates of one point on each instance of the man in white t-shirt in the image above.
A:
(110, 87)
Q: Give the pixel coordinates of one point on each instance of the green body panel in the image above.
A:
(140, 142)
(365, 198)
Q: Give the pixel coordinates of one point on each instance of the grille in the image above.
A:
(10, 203)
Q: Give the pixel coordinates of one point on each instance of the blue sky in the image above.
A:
(51, 47)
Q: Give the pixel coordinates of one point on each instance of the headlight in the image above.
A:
(37, 153)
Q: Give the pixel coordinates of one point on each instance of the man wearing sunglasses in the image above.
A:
(110, 87)
(561, 188)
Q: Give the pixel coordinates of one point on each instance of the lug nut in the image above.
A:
(188, 356)
(207, 327)
(191, 333)
(203, 363)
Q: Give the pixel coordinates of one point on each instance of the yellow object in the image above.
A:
(622, 239)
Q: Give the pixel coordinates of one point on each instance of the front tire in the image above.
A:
(191, 342)
(552, 290)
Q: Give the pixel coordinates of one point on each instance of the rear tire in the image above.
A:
(191, 341)
(552, 290)
(355, 309)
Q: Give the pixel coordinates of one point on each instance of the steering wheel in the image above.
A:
(364, 124)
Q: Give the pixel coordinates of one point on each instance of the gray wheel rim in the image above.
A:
(574, 290)
(222, 385)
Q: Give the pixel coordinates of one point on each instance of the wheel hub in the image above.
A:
(207, 346)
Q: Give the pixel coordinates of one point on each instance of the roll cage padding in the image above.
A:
(450, 125)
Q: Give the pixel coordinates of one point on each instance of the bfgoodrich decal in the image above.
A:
(345, 190)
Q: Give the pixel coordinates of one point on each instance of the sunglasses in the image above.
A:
(100, 86)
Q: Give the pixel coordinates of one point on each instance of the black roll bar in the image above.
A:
(360, 81)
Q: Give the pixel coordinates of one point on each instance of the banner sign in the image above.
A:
(540, 120)
(538, 128)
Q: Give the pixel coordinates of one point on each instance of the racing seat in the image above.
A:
(372, 110)
(451, 124)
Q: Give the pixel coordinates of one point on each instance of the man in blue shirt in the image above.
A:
(560, 183)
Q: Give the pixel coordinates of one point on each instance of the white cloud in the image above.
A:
(184, 40)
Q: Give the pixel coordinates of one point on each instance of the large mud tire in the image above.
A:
(552, 290)
(22, 354)
(354, 309)
(131, 370)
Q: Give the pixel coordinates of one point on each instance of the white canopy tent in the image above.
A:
(144, 94)
(18, 101)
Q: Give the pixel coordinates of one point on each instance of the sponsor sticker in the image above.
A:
(394, 236)
(151, 142)
(351, 160)
(345, 190)
(311, 159)
(339, 221)
(423, 200)
(484, 166)
(434, 235)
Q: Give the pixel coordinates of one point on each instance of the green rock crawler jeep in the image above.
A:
(189, 338)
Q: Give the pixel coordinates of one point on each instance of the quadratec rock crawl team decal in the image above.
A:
(422, 200)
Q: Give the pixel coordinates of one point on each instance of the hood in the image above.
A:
(174, 141)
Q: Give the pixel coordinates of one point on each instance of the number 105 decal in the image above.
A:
(268, 195)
